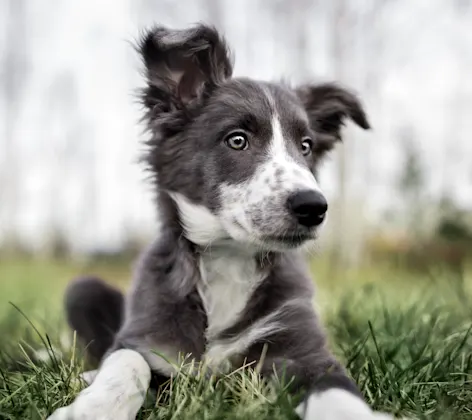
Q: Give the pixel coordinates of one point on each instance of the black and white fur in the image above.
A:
(234, 163)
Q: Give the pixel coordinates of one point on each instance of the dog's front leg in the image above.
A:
(337, 404)
(117, 392)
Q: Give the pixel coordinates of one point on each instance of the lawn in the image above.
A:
(406, 339)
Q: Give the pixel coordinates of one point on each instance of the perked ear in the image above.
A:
(328, 106)
(182, 64)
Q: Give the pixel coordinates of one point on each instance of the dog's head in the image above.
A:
(237, 156)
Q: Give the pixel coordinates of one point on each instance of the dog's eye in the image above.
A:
(307, 145)
(237, 141)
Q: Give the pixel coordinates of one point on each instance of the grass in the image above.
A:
(405, 338)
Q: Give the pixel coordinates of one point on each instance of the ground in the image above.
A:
(405, 338)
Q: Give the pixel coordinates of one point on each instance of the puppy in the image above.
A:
(234, 165)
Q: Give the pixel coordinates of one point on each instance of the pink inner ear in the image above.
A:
(190, 82)
(180, 63)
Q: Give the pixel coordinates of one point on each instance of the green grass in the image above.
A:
(405, 338)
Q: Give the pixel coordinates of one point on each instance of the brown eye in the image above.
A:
(307, 145)
(237, 141)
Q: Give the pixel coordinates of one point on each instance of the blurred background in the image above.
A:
(73, 197)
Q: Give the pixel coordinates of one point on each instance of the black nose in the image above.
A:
(309, 207)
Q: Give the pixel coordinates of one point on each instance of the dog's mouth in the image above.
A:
(289, 240)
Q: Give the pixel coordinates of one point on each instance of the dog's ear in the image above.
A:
(181, 65)
(328, 106)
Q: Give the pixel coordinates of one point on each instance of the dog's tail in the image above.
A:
(94, 309)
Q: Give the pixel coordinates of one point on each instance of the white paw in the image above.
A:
(116, 393)
(337, 404)
(93, 404)
(90, 407)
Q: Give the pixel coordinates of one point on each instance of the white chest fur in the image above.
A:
(227, 283)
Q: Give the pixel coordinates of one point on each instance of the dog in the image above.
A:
(234, 163)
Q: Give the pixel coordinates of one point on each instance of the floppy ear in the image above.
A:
(328, 106)
(182, 64)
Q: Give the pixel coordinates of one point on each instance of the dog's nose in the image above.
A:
(309, 207)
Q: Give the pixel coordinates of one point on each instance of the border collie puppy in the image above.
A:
(234, 163)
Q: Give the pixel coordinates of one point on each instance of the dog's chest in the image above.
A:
(227, 283)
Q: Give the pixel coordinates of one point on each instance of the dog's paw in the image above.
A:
(89, 406)
(77, 410)
(93, 404)
(117, 391)
(100, 404)
(72, 412)
(337, 404)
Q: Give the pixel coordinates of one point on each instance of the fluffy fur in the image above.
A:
(234, 163)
